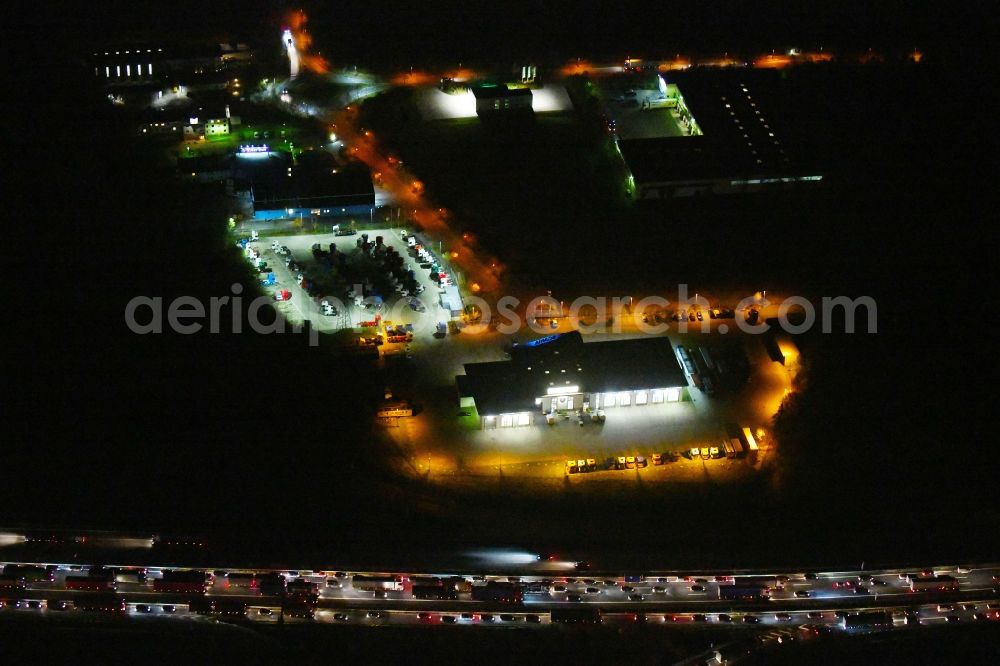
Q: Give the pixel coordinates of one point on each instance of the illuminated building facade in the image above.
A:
(562, 374)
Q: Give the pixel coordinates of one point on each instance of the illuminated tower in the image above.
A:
(293, 55)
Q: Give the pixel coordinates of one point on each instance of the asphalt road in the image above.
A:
(667, 599)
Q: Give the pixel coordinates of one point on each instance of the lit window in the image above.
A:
(673, 394)
(624, 398)
(641, 397)
(609, 400)
(657, 396)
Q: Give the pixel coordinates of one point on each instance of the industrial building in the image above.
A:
(138, 64)
(562, 373)
(741, 145)
(311, 190)
(492, 100)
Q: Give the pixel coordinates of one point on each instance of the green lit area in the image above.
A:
(279, 138)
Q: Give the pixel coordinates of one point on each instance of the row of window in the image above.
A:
(128, 71)
(643, 397)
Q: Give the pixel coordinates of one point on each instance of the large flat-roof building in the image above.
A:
(137, 64)
(741, 145)
(312, 190)
(563, 373)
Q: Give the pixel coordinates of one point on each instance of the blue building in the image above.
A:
(311, 189)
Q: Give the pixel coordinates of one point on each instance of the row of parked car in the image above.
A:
(689, 314)
(619, 462)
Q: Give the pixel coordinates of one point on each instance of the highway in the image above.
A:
(800, 600)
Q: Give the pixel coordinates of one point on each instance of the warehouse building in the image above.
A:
(561, 373)
(312, 190)
(497, 99)
(742, 143)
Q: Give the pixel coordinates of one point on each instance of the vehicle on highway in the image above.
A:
(143, 608)
(192, 581)
(344, 617)
(429, 591)
(699, 617)
(11, 583)
(272, 584)
(580, 615)
(815, 615)
(593, 590)
(724, 617)
(56, 605)
(869, 619)
(105, 602)
(751, 619)
(575, 598)
(933, 584)
(29, 573)
(264, 611)
(802, 594)
(91, 583)
(303, 590)
(449, 619)
(954, 618)
(505, 593)
(635, 597)
(697, 588)
(486, 617)
(372, 583)
(238, 607)
(783, 617)
(945, 608)
(168, 608)
(532, 619)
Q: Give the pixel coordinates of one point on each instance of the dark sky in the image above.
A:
(482, 30)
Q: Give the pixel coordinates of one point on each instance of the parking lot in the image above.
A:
(349, 314)
(447, 442)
